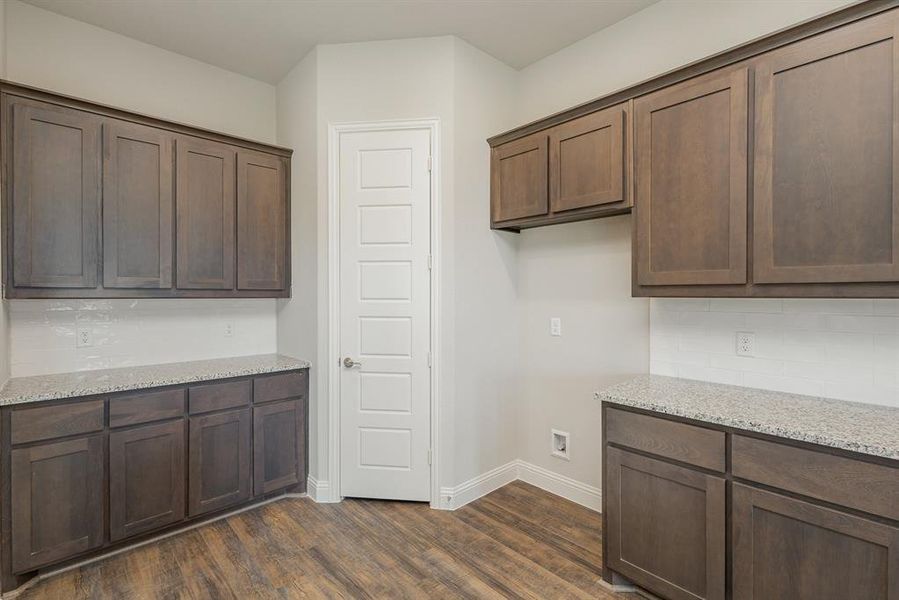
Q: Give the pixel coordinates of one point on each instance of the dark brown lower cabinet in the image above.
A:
(277, 457)
(146, 478)
(219, 460)
(788, 548)
(57, 501)
(666, 526)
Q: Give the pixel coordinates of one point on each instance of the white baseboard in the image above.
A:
(320, 491)
(452, 498)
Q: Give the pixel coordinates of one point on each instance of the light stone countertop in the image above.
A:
(865, 428)
(21, 390)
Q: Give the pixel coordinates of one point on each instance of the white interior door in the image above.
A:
(385, 304)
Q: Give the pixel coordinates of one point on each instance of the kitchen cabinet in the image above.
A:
(146, 478)
(104, 203)
(219, 460)
(277, 457)
(826, 193)
(666, 526)
(262, 229)
(205, 214)
(55, 156)
(57, 507)
(137, 206)
(788, 548)
(518, 177)
(691, 167)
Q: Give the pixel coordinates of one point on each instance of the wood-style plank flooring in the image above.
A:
(518, 542)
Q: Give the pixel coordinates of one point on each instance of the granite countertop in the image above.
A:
(21, 390)
(865, 428)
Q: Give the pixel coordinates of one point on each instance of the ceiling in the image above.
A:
(264, 39)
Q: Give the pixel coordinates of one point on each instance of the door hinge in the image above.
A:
(429, 456)
(429, 360)
(430, 262)
(430, 163)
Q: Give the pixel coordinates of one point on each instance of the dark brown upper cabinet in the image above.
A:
(518, 177)
(137, 206)
(587, 162)
(103, 203)
(55, 192)
(826, 193)
(205, 215)
(262, 215)
(690, 166)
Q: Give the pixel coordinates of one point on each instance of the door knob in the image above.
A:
(349, 363)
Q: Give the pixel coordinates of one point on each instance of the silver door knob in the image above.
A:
(349, 363)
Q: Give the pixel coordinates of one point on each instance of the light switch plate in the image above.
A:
(555, 327)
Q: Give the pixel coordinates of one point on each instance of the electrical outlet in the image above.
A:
(745, 343)
(561, 444)
(555, 327)
(229, 329)
(84, 337)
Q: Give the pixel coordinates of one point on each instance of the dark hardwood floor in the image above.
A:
(518, 542)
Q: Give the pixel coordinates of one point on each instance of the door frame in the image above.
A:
(432, 125)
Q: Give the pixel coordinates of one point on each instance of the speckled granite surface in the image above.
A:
(865, 428)
(20, 390)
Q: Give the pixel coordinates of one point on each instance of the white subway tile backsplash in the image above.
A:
(841, 348)
(135, 332)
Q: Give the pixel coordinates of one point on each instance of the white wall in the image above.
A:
(581, 272)
(50, 51)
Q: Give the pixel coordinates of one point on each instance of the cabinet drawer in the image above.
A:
(60, 420)
(669, 439)
(217, 396)
(279, 387)
(146, 407)
(864, 486)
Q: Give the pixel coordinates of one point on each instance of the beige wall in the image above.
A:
(581, 272)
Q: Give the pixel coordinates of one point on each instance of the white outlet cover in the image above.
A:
(229, 329)
(555, 326)
(84, 337)
(745, 343)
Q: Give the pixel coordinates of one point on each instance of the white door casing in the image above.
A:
(385, 304)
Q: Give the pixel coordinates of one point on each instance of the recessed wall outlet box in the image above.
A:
(84, 337)
(229, 329)
(555, 326)
(745, 343)
(561, 445)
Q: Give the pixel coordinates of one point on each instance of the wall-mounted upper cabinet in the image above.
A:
(571, 172)
(103, 203)
(768, 170)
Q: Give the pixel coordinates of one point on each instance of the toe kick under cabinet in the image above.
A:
(699, 511)
(84, 476)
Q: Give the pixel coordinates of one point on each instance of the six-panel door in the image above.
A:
(690, 167)
(666, 526)
(205, 214)
(219, 460)
(137, 206)
(55, 197)
(261, 222)
(826, 193)
(57, 501)
(277, 452)
(587, 161)
(518, 179)
(789, 548)
(146, 478)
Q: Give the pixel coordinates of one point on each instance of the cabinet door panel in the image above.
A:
(586, 161)
(55, 196)
(666, 526)
(137, 206)
(277, 454)
(205, 215)
(691, 169)
(826, 193)
(518, 179)
(788, 548)
(57, 501)
(146, 478)
(219, 460)
(261, 222)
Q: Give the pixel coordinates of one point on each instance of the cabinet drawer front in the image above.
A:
(146, 407)
(61, 420)
(217, 396)
(279, 387)
(669, 439)
(844, 481)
